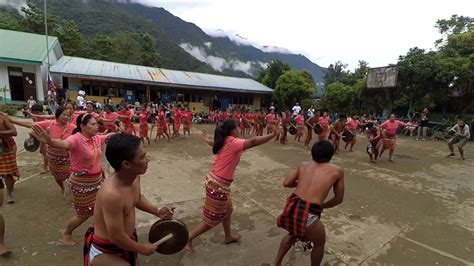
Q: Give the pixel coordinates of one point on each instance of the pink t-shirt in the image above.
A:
(227, 159)
(55, 130)
(110, 118)
(352, 124)
(76, 115)
(299, 120)
(85, 153)
(391, 127)
(324, 121)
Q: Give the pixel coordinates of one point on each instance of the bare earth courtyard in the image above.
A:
(416, 211)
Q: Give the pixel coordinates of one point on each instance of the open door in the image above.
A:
(15, 79)
(29, 85)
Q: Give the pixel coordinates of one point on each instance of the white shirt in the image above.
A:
(464, 131)
(296, 110)
(81, 101)
(310, 112)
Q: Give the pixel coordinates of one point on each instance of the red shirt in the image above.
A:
(324, 121)
(352, 124)
(227, 159)
(144, 117)
(299, 120)
(391, 127)
(177, 116)
(126, 120)
(187, 117)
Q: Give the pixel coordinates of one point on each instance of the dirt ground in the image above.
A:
(416, 211)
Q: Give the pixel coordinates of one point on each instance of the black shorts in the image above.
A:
(2, 186)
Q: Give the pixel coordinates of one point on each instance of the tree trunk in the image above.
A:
(410, 106)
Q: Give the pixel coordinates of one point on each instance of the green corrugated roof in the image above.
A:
(24, 47)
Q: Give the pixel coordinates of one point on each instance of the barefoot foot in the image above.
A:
(232, 239)
(4, 252)
(67, 240)
(189, 247)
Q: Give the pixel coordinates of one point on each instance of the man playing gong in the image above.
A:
(113, 239)
(301, 216)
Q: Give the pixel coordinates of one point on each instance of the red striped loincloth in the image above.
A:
(294, 217)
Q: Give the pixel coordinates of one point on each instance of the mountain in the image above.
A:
(182, 45)
(95, 17)
(220, 51)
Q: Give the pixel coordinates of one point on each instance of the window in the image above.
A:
(95, 91)
(187, 97)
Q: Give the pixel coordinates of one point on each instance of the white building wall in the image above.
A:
(5, 82)
(40, 72)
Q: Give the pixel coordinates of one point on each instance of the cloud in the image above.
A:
(275, 49)
(208, 44)
(240, 40)
(16, 4)
(220, 63)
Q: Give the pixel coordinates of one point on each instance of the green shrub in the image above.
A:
(10, 110)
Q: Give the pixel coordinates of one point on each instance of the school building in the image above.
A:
(131, 83)
(24, 64)
(23, 68)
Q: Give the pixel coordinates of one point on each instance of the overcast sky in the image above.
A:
(326, 31)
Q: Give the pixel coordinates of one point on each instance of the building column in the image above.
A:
(148, 93)
(39, 83)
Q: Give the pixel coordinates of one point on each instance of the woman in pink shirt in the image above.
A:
(60, 128)
(389, 132)
(143, 116)
(84, 148)
(228, 149)
(352, 126)
(108, 118)
(299, 119)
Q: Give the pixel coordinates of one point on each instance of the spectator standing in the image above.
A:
(296, 109)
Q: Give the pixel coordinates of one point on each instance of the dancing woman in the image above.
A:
(84, 148)
(228, 149)
(61, 129)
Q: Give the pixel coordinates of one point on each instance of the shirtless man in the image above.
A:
(313, 181)
(113, 239)
(310, 124)
(336, 131)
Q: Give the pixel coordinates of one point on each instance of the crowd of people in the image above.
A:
(74, 137)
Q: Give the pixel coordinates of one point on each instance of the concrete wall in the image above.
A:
(40, 72)
(5, 82)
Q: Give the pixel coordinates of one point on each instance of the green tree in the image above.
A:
(71, 39)
(339, 97)
(10, 22)
(126, 48)
(272, 72)
(416, 72)
(101, 47)
(455, 25)
(337, 73)
(34, 21)
(291, 87)
(148, 56)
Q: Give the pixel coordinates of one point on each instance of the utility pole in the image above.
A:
(47, 42)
